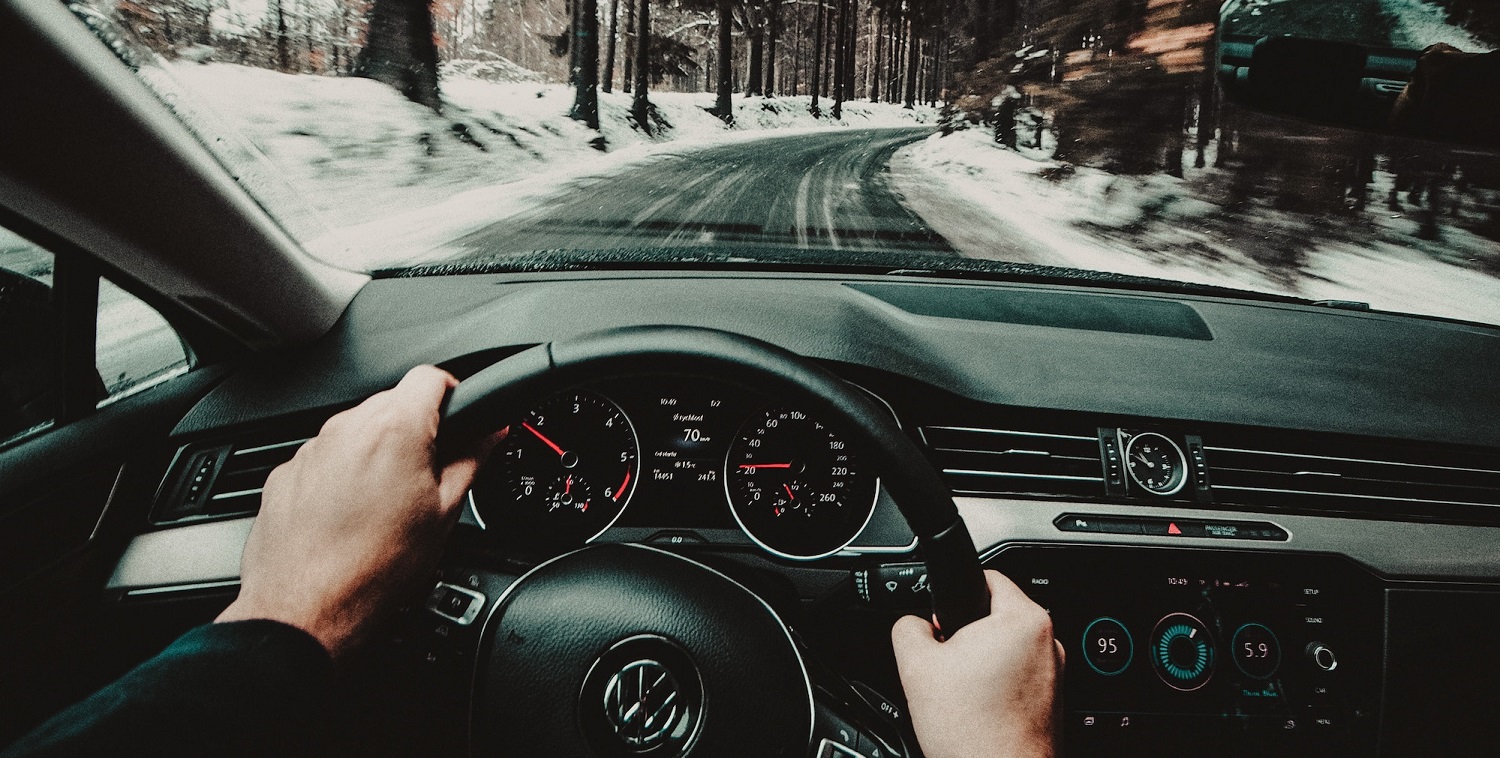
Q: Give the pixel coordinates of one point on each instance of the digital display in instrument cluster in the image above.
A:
(685, 431)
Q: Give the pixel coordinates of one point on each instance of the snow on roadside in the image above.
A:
(994, 203)
(1420, 23)
(390, 181)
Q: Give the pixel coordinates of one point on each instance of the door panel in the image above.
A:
(69, 500)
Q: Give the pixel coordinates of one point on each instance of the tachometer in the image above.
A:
(795, 486)
(565, 471)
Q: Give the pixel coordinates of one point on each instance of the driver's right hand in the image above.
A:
(992, 689)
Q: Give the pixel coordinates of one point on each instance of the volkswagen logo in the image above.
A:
(643, 703)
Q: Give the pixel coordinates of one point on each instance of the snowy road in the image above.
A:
(826, 190)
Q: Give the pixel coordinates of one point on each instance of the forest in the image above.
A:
(1126, 86)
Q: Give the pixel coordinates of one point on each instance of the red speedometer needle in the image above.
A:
(788, 491)
(765, 465)
(543, 438)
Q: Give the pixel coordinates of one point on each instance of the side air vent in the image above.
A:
(1376, 479)
(220, 480)
(985, 461)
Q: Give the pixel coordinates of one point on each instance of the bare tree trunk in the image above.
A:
(1208, 106)
(898, 59)
(757, 49)
(399, 50)
(629, 79)
(724, 73)
(586, 59)
(840, 57)
(773, 20)
(911, 66)
(283, 40)
(851, 43)
(796, 70)
(609, 50)
(817, 57)
(640, 108)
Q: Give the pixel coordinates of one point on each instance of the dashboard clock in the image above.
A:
(1156, 464)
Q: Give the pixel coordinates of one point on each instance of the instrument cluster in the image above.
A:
(675, 453)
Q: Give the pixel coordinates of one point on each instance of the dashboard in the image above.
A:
(1258, 527)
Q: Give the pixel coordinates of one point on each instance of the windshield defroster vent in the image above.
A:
(220, 480)
(987, 461)
(1370, 478)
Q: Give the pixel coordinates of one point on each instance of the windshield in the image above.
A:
(1117, 136)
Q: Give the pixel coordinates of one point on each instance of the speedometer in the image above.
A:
(565, 471)
(795, 485)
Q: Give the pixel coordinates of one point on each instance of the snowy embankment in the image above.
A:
(995, 203)
(389, 180)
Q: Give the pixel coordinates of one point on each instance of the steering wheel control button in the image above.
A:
(831, 749)
(1256, 651)
(898, 586)
(460, 605)
(1322, 656)
(1182, 652)
(1107, 646)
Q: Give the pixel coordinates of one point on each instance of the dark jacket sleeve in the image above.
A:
(242, 688)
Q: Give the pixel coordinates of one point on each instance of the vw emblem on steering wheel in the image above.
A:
(643, 703)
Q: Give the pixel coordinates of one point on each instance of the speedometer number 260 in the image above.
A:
(795, 485)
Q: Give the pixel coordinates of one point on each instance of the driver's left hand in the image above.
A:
(360, 514)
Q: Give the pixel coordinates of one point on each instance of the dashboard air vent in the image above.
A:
(1371, 478)
(986, 461)
(220, 480)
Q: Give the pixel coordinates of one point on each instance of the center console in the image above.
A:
(1178, 652)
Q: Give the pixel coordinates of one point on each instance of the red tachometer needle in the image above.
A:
(788, 491)
(765, 465)
(543, 438)
(621, 489)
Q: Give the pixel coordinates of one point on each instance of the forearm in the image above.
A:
(242, 688)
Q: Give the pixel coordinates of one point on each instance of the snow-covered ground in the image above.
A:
(387, 180)
(1419, 24)
(995, 203)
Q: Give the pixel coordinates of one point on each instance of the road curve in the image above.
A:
(826, 190)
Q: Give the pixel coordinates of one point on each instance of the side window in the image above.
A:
(29, 388)
(134, 348)
(71, 341)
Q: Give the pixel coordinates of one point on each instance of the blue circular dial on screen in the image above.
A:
(1257, 652)
(1182, 652)
(1107, 646)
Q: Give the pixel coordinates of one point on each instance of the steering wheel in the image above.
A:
(626, 650)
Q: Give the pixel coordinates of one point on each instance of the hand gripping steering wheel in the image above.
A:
(626, 650)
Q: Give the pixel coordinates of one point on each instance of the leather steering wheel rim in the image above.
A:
(958, 590)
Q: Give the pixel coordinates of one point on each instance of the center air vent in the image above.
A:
(985, 461)
(220, 479)
(1371, 478)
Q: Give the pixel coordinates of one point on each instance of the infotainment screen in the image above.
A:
(1172, 649)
